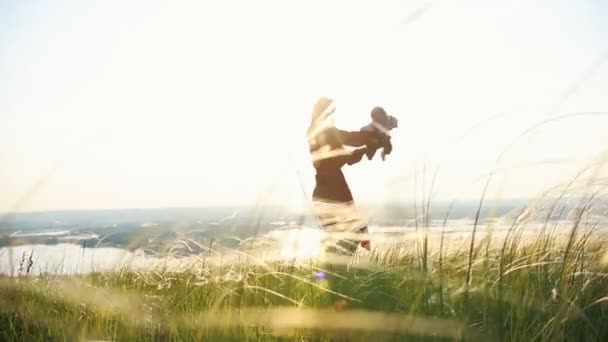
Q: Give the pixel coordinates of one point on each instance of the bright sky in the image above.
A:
(114, 104)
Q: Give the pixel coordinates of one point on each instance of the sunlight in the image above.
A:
(93, 109)
(302, 243)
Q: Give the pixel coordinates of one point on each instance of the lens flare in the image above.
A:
(301, 243)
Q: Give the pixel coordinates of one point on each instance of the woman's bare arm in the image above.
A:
(357, 138)
(355, 156)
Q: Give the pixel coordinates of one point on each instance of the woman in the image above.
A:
(332, 198)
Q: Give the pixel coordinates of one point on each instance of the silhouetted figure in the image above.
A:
(332, 198)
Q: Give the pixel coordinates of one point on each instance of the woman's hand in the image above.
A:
(356, 155)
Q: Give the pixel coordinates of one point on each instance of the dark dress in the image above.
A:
(329, 155)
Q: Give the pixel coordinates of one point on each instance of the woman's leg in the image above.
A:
(342, 218)
(350, 245)
(365, 243)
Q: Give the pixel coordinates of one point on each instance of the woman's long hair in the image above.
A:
(321, 112)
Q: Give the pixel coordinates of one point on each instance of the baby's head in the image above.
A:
(380, 117)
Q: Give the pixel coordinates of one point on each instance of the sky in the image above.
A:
(139, 104)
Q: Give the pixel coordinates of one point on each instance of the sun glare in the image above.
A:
(303, 243)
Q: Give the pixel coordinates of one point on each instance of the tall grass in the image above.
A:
(526, 286)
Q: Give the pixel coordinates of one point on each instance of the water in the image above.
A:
(281, 243)
(64, 259)
(46, 233)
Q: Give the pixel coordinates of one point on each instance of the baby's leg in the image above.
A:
(371, 151)
(387, 149)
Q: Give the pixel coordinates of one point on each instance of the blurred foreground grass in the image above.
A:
(534, 287)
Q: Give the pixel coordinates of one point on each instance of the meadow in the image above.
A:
(546, 284)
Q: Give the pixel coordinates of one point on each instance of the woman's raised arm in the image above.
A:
(357, 138)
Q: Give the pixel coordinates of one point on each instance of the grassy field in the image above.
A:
(522, 286)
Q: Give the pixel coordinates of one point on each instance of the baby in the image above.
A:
(381, 123)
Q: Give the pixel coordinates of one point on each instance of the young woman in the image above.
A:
(332, 199)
